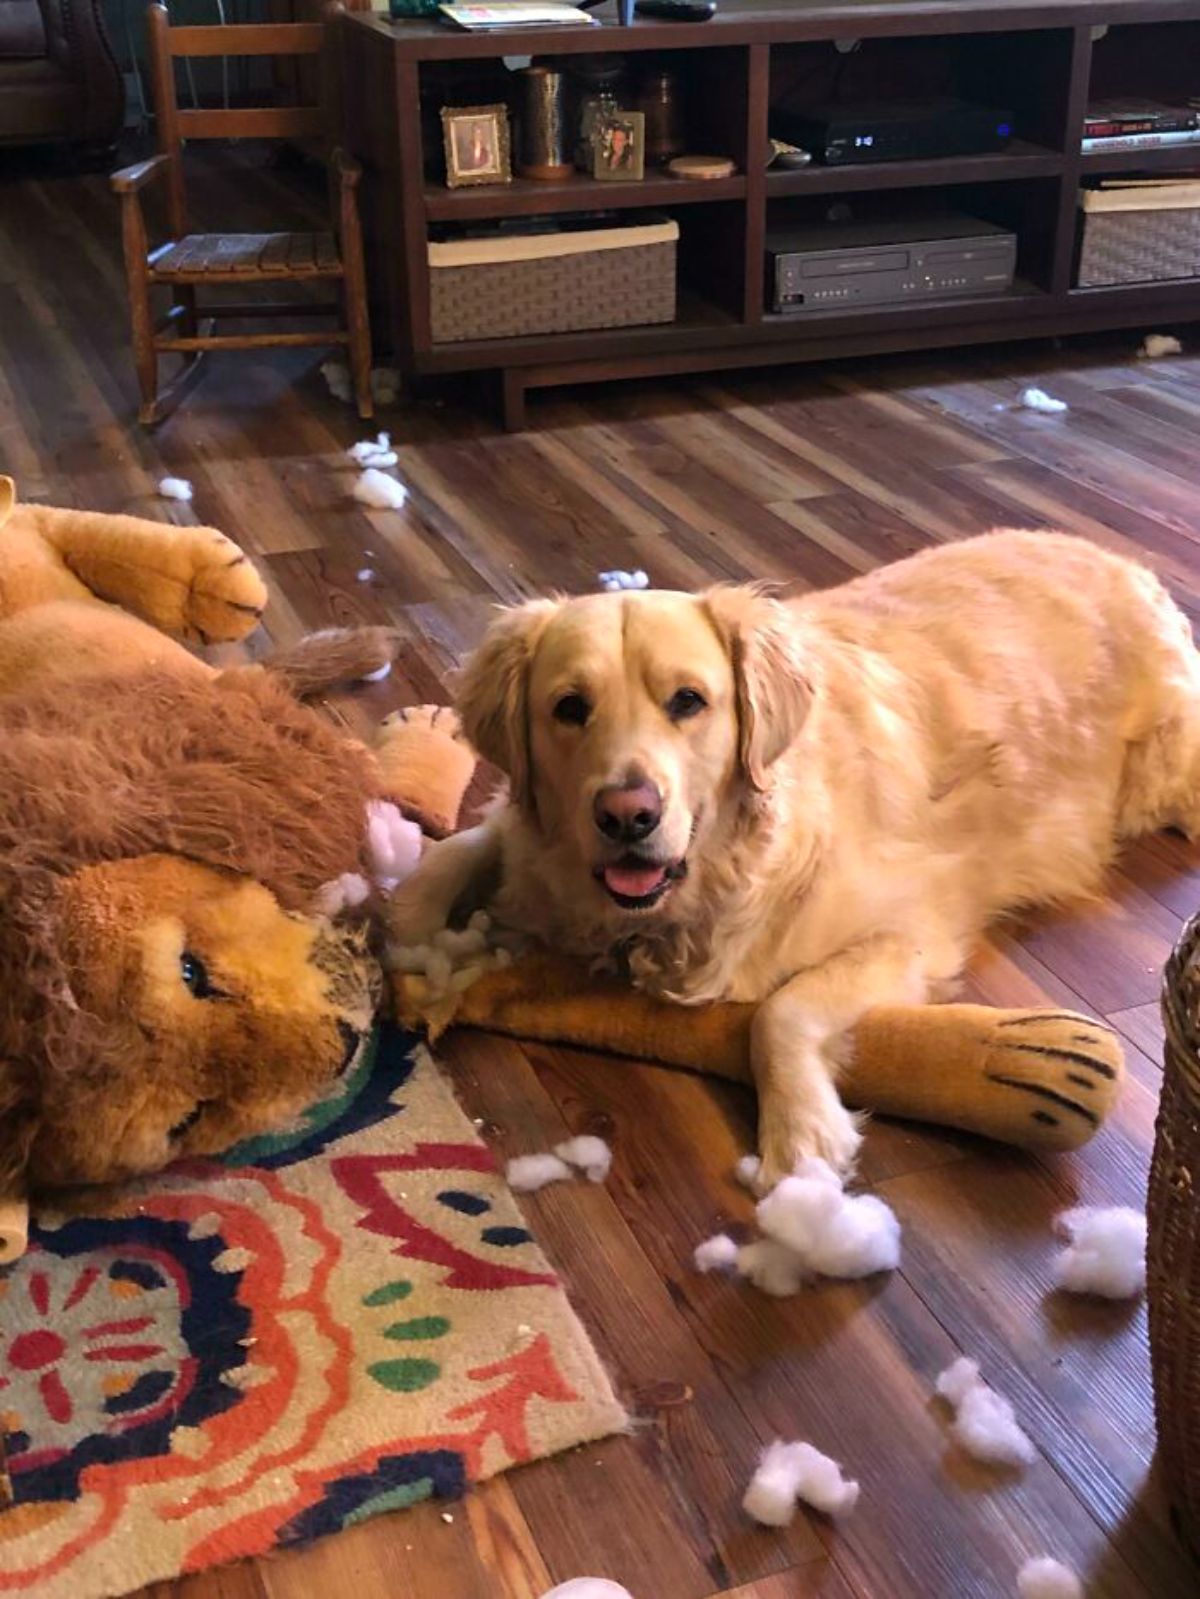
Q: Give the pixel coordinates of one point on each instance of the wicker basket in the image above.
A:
(503, 288)
(1173, 1250)
(1146, 246)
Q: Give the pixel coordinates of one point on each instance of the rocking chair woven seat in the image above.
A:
(247, 257)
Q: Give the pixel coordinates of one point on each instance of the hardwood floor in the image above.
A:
(807, 477)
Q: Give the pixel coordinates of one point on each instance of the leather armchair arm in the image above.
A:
(76, 42)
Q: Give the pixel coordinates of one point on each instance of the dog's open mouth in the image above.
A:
(636, 884)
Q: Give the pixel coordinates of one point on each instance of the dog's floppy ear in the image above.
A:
(772, 679)
(493, 694)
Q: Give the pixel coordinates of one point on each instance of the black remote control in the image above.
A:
(677, 10)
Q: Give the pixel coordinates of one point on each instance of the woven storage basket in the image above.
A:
(1139, 246)
(1173, 1249)
(504, 288)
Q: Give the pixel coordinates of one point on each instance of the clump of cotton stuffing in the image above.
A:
(588, 1588)
(718, 1253)
(771, 1267)
(789, 1472)
(984, 1422)
(525, 1174)
(588, 1154)
(337, 380)
(455, 958)
(747, 1169)
(1038, 400)
(831, 1233)
(1045, 1578)
(375, 489)
(374, 452)
(614, 582)
(175, 488)
(1155, 345)
(1105, 1253)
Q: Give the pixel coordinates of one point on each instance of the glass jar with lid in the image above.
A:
(599, 84)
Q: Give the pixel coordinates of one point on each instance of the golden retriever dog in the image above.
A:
(819, 803)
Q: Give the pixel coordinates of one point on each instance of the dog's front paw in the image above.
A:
(833, 1135)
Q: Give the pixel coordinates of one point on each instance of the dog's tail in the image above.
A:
(340, 655)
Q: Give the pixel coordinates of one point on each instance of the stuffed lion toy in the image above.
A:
(172, 839)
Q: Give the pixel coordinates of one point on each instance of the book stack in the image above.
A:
(514, 14)
(1139, 125)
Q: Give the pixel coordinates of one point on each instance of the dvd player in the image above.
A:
(839, 266)
(897, 130)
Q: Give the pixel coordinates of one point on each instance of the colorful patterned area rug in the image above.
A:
(236, 1356)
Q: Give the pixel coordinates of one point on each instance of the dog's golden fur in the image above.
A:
(876, 772)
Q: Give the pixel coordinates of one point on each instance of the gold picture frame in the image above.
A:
(619, 147)
(476, 140)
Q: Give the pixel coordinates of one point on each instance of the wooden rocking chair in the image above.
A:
(188, 260)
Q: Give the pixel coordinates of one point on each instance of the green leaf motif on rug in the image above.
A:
(389, 1293)
(405, 1376)
(409, 1493)
(419, 1327)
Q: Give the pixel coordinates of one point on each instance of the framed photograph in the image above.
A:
(619, 146)
(477, 148)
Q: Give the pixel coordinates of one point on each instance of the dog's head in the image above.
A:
(633, 726)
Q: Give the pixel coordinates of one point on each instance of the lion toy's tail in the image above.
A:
(326, 660)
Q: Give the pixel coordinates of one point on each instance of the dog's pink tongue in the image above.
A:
(634, 882)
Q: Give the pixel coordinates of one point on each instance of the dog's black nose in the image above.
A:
(629, 813)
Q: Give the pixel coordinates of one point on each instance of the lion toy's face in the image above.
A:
(168, 986)
(206, 1015)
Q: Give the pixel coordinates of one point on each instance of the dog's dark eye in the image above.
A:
(572, 709)
(685, 702)
(195, 976)
(182, 1128)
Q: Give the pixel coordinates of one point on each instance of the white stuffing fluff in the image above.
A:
(719, 1253)
(1155, 345)
(175, 488)
(1105, 1253)
(346, 892)
(380, 492)
(788, 1472)
(1039, 400)
(385, 385)
(467, 941)
(1045, 1578)
(615, 581)
(411, 959)
(461, 956)
(438, 971)
(984, 1422)
(771, 1267)
(337, 377)
(747, 1169)
(393, 842)
(527, 1173)
(588, 1154)
(831, 1233)
(374, 452)
(588, 1588)
(365, 574)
